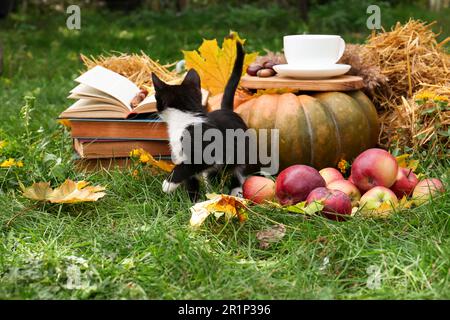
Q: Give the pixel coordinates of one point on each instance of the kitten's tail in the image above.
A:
(230, 89)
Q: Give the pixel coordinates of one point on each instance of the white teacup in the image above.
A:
(312, 49)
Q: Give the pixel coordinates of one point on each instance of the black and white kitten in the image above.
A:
(180, 106)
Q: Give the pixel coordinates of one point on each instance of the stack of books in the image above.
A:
(108, 142)
(111, 117)
(107, 122)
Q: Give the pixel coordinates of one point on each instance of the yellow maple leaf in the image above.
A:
(68, 192)
(38, 191)
(73, 192)
(214, 64)
(222, 204)
(404, 161)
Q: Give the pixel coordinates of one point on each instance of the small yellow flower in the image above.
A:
(19, 164)
(439, 98)
(135, 152)
(8, 163)
(343, 165)
(2, 144)
(425, 95)
(144, 158)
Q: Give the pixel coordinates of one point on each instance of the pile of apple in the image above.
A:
(375, 185)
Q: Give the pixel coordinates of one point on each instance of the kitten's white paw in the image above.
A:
(169, 187)
(237, 192)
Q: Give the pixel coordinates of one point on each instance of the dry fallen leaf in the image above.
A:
(384, 210)
(145, 157)
(404, 162)
(214, 64)
(303, 208)
(271, 235)
(38, 191)
(162, 164)
(219, 205)
(73, 192)
(65, 122)
(68, 192)
(405, 203)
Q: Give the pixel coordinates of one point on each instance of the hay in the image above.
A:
(137, 68)
(421, 122)
(408, 55)
(399, 67)
(374, 80)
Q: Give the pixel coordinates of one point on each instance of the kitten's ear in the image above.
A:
(192, 78)
(157, 82)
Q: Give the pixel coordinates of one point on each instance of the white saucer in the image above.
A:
(311, 72)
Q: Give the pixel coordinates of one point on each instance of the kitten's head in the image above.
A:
(186, 97)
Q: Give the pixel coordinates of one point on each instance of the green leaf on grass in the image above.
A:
(297, 208)
(303, 208)
(314, 207)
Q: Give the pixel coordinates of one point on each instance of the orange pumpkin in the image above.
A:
(317, 130)
(239, 98)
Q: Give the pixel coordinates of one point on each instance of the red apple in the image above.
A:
(426, 189)
(405, 182)
(336, 203)
(350, 178)
(374, 167)
(330, 175)
(348, 188)
(378, 201)
(294, 183)
(258, 189)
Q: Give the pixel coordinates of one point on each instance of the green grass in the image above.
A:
(135, 242)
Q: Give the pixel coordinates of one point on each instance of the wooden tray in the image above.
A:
(341, 83)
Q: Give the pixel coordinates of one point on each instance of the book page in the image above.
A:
(90, 108)
(111, 83)
(93, 104)
(83, 91)
(146, 105)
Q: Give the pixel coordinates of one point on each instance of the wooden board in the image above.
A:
(341, 83)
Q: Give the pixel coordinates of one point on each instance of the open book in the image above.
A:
(103, 93)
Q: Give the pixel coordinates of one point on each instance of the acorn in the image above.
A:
(253, 69)
(269, 64)
(265, 73)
